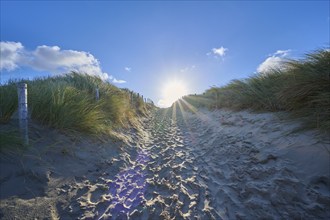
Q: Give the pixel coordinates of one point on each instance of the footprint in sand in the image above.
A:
(185, 170)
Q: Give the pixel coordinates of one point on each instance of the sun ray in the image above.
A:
(189, 106)
(204, 118)
(182, 112)
(191, 135)
(174, 111)
(172, 91)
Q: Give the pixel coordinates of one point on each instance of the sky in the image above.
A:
(160, 49)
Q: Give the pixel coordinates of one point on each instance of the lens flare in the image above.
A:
(171, 92)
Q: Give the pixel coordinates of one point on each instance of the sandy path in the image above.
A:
(208, 165)
(157, 181)
(255, 167)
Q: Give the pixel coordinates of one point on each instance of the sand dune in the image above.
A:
(207, 165)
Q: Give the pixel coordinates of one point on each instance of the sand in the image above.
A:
(202, 165)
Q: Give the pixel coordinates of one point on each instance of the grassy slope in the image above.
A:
(68, 103)
(301, 87)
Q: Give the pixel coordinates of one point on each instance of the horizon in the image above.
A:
(162, 50)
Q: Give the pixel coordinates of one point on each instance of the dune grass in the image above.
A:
(8, 102)
(301, 87)
(10, 139)
(68, 102)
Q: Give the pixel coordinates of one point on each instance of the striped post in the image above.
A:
(97, 94)
(23, 112)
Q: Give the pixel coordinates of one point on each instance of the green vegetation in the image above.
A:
(10, 139)
(68, 102)
(8, 102)
(301, 87)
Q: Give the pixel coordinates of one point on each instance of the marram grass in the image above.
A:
(10, 139)
(8, 102)
(301, 87)
(68, 102)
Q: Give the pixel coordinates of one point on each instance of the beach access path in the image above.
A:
(180, 165)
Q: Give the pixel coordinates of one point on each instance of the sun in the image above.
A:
(172, 91)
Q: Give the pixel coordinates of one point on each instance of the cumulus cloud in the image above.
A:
(51, 59)
(11, 54)
(128, 69)
(119, 81)
(274, 61)
(187, 68)
(282, 53)
(218, 52)
(221, 51)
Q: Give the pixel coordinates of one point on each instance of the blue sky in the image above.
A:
(144, 45)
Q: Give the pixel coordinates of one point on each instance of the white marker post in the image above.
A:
(97, 94)
(23, 112)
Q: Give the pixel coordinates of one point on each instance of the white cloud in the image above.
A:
(11, 54)
(128, 69)
(221, 51)
(187, 68)
(282, 53)
(119, 81)
(269, 64)
(49, 58)
(274, 61)
(53, 59)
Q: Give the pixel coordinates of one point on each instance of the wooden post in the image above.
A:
(131, 97)
(97, 94)
(23, 112)
(216, 100)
